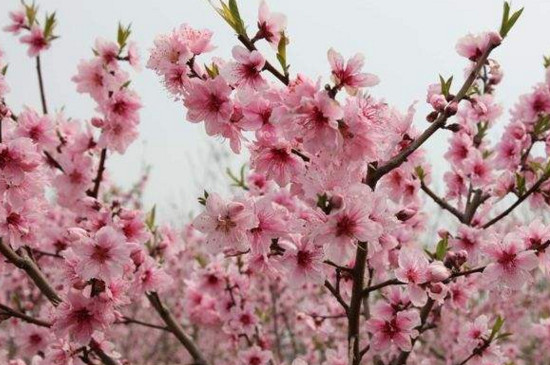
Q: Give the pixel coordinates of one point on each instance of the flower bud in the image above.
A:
(432, 116)
(437, 272)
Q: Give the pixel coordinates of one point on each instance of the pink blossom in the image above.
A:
(246, 71)
(38, 128)
(198, 41)
(31, 339)
(225, 223)
(388, 329)
(511, 263)
(276, 161)
(270, 25)
(304, 262)
(117, 134)
(92, 78)
(77, 176)
(255, 356)
(413, 270)
(209, 101)
(349, 75)
(318, 119)
(478, 169)
(17, 222)
(36, 41)
(19, 21)
(107, 51)
(104, 256)
(122, 104)
(80, 317)
(150, 277)
(473, 46)
(344, 228)
(18, 157)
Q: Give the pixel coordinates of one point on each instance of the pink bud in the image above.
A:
(97, 122)
(138, 257)
(437, 272)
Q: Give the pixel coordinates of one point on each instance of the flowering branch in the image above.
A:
(545, 176)
(450, 109)
(284, 78)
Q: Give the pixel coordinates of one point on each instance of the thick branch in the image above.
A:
(354, 313)
(174, 327)
(24, 262)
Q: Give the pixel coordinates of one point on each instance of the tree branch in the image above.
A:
(99, 177)
(41, 86)
(4, 309)
(520, 200)
(441, 202)
(243, 38)
(396, 161)
(174, 327)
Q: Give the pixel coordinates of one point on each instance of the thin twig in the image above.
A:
(520, 200)
(41, 86)
(441, 202)
(4, 309)
(101, 168)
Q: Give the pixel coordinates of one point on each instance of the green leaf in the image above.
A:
(281, 52)
(238, 22)
(150, 220)
(441, 249)
(30, 12)
(4, 70)
(503, 336)
(212, 71)
(445, 85)
(505, 15)
(419, 171)
(496, 327)
(123, 33)
(513, 19)
(546, 61)
(520, 184)
(507, 20)
(49, 25)
(202, 199)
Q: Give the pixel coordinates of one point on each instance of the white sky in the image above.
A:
(406, 43)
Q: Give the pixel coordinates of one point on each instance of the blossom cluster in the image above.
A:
(320, 257)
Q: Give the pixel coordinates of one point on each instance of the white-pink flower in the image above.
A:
(388, 328)
(349, 76)
(225, 223)
(511, 263)
(104, 256)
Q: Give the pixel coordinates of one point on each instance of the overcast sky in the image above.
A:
(406, 43)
